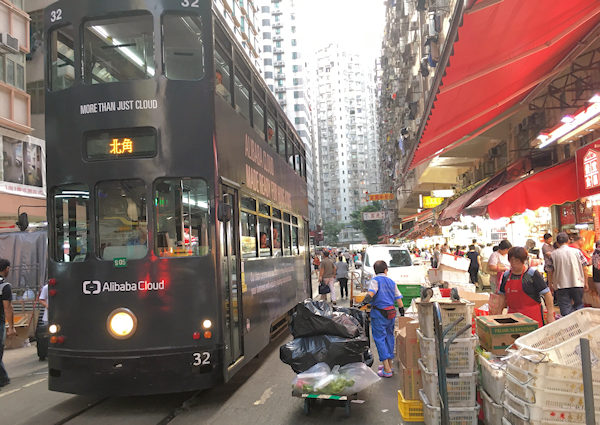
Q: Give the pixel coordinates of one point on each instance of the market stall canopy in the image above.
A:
(492, 69)
(419, 217)
(552, 186)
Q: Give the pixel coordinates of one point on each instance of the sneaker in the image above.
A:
(382, 373)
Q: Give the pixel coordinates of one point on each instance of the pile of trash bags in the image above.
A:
(344, 380)
(326, 334)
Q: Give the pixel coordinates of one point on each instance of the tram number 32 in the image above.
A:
(56, 15)
(190, 3)
(201, 359)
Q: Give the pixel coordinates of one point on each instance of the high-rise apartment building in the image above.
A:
(347, 132)
(242, 18)
(22, 173)
(285, 72)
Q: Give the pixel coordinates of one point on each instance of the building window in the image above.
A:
(278, 57)
(266, 22)
(293, 29)
(268, 74)
(267, 49)
(37, 93)
(266, 35)
(294, 42)
(298, 95)
(268, 62)
(294, 55)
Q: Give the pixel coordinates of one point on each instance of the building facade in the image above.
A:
(346, 125)
(285, 72)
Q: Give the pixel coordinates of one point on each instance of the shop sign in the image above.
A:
(597, 221)
(431, 202)
(381, 197)
(375, 215)
(585, 214)
(588, 169)
(567, 214)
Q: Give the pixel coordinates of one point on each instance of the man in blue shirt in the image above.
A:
(383, 292)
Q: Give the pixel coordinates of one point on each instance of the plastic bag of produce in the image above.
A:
(304, 352)
(317, 318)
(345, 380)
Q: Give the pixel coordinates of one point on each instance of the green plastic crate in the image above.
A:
(409, 292)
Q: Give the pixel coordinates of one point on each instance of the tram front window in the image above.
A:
(118, 49)
(182, 217)
(122, 219)
(71, 223)
(183, 47)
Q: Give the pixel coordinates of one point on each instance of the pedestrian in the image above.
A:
(568, 276)
(6, 315)
(435, 259)
(596, 267)
(547, 249)
(522, 289)
(327, 275)
(341, 274)
(382, 294)
(498, 264)
(578, 242)
(316, 263)
(41, 332)
(475, 264)
(477, 247)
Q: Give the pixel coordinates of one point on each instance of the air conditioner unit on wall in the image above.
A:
(8, 43)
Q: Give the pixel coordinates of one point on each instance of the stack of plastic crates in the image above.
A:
(461, 376)
(544, 384)
(492, 373)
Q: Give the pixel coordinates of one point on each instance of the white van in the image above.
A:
(400, 266)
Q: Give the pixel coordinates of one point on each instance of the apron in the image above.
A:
(519, 302)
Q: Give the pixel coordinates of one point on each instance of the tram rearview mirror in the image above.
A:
(224, 212)
(22, 222)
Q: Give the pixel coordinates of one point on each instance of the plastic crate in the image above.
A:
(461, 355)
(411, 410)
(409, 293)
(574, 325)
(432, 415)
(492, 412)
(525, 368)
(492, 378)
(534, 413)
(450, 312)
(462, 387)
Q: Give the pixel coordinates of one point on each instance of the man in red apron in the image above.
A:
(522, 289)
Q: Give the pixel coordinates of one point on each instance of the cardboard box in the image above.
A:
(496, 333)
(410, 382)
(449, 261)
(480, 299)
(407, 345)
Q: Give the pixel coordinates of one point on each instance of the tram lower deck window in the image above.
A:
(182, 217)
(71, 223)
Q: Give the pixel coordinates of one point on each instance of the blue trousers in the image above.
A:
(569, 300)
(3, 374)
(382, 330)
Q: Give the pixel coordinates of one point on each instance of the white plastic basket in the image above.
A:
(534, 413)
(450, 312)
(492, 412)
(526, 367)
(461, 355)
(462, 387)
(575, 325)
(492, 378)
(458, 415)
(519, 421)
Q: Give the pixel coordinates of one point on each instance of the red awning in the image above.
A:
(503, 50)
(552, 186)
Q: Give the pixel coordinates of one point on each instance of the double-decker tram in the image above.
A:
(177, 199)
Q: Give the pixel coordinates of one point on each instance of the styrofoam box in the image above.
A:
(447, 275)
(454, 262)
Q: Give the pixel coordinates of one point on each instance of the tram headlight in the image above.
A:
(53, 328)
(207, 324)
(121, 323)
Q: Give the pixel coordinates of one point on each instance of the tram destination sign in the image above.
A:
(120, 144)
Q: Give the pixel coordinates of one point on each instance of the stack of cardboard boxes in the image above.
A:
(408, 354)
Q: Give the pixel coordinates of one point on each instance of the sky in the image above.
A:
(356, 25)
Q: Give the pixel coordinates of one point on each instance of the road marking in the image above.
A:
(24, 386)
(263, 399)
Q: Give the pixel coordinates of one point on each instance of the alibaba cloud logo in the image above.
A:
(92, 287)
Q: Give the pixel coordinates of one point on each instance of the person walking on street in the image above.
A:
(547, 249)
(435, 260)
(569, 278)
(498, 263)
(382, 294)
(475, 265)
(341, 274)
(41, 333)
(327, 276)
(316, 263)
(596, 267)
(6, 315)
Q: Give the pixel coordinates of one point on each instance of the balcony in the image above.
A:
(278, 50)
(14, 22)
(278, 64)
(280, 89)
(276, 12)
(280, 76)
(277, 25)
(277, 37)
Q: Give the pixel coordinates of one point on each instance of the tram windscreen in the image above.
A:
(182, 217)
(118, 49)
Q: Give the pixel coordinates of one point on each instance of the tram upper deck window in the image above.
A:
(281, 140)
(118, 49)
(271, 140)
(183, 48)
(242, 96)
(182, 217)
(248, 235)
(122, 219)
(71, 223)
(61, 58)
(222, 75)
(264, 228)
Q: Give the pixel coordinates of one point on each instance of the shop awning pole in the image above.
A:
(588, 386)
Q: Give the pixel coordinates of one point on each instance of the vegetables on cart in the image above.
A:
(344, 380)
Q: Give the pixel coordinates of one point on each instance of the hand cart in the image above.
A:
(335, 400)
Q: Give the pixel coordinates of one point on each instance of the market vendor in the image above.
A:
(382, 294)
(522, 289)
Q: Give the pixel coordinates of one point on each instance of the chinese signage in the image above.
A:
(381, 197)
(431, 202)
(374, 215)
(588, 169)
(121, 146)
(591, 170)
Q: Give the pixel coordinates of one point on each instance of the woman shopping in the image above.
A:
(522, 289)
(382, 294)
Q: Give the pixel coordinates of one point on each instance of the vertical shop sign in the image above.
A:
(597, 221)
(588, 169)
(567, 214)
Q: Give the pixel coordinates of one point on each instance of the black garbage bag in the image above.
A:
(314, 318)
(357, 313)
(305, 352)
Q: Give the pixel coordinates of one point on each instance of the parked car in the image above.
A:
(400, 265)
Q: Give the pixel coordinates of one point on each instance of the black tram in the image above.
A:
(177, 199)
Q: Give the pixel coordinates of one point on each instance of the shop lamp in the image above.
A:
(580, 121)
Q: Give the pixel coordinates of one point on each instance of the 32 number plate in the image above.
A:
(201, 359)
